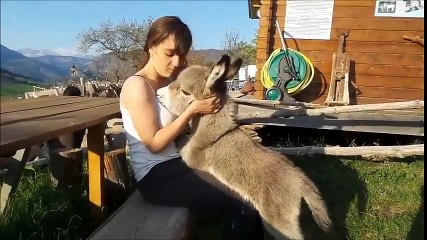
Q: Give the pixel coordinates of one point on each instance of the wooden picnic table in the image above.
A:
(28, 122)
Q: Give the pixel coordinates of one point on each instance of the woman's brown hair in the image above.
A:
(164, 27)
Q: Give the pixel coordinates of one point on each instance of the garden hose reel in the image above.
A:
(286, 74)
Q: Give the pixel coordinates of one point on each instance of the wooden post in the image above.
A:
(66, 167)
(267, 49)
(338, 93)
(95, 146)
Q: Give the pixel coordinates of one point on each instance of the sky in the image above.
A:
(54, 25)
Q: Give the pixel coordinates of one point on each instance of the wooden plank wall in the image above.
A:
(385, 67)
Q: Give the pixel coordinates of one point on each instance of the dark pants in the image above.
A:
(173, 183)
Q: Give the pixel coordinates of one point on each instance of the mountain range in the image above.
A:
(41, 69)
(45, 66)
(8, 78)
(29, 52)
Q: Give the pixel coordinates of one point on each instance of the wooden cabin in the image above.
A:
(384, 66)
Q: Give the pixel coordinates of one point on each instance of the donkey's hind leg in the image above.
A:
(292, 229)
(288, 227)
(289, 230)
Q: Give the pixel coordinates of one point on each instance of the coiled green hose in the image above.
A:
(303, 66)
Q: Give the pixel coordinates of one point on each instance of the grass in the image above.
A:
(15, 90)
(366, 200)
(39, 211)
(371, 200)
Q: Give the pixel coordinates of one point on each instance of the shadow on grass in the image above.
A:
(417, 228)
(339, 185)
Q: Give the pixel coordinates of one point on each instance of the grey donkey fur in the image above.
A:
(265, 178)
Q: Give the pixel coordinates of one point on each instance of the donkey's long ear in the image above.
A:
(233, 69)
(218, 71)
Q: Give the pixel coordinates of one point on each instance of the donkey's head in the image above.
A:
(198, 82)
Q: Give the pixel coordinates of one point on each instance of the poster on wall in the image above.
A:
(308, 19)
(399, 8)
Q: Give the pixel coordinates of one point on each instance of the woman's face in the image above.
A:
(165, 59)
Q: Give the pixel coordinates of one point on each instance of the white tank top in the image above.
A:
(141, 159)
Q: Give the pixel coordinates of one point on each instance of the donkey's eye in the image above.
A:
(185, 92)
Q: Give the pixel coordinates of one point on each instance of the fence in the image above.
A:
(235, 84)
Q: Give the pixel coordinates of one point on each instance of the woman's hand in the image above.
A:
(206, 106)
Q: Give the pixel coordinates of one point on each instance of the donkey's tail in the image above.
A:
(317, 206)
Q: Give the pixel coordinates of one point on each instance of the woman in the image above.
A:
(162, 176)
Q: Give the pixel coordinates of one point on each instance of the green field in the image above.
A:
(15, 85)
(15, 90)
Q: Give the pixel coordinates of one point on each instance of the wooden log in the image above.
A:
(116, 169)
(365, 151)
(292, 111)
(37, 163)
(66, 167)
(250, 130)
(116, 137)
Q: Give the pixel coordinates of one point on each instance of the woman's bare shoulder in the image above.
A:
(135, 84)
(135, 90)
(134, 81)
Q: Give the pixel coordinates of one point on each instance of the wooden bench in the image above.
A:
(137, 219)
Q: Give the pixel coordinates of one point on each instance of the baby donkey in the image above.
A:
(265, 178)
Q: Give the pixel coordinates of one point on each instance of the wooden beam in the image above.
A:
(95, 146)
(304, 45)
(293, 111)
(15, 168)
(271, 103)
(365, 151)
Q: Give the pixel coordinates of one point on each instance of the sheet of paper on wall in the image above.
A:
(308, 19)
(399, 8)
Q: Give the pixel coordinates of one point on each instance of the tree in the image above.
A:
(106, 66)
(125, 40)
(196, 57)
(236, 47)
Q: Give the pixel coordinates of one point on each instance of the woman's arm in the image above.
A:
(139, 100)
